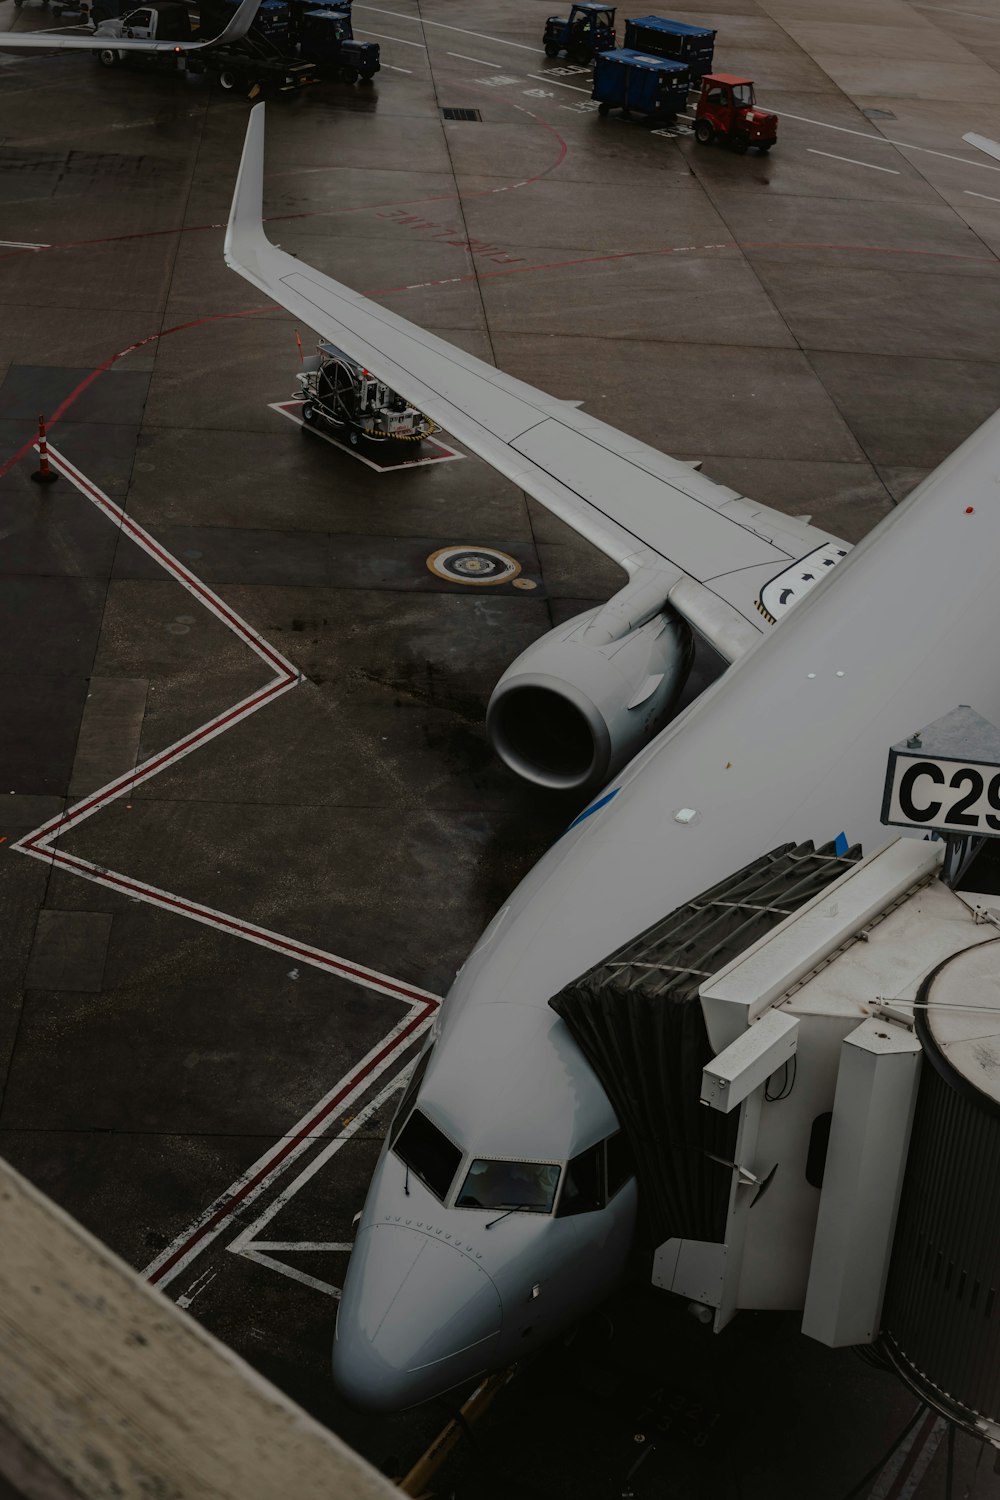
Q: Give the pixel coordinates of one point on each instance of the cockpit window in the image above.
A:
(527, 1185)
(583, 1190)
(413, 1083)
(428, 1153)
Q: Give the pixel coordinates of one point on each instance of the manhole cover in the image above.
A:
(477, 565)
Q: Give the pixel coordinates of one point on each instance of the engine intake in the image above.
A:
(574, 707)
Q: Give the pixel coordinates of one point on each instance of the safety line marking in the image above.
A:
(247, 1243)
(544, 78)
(853, 161)
(479, 61)
(442, 26)
(883, 140)
(24, 245)
(900, 1478)
(445, 455)
(192, 1241)
(384, 38)
(970, 194)
(42, 844)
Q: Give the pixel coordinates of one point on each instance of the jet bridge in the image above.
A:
(638, 1020)
(806, 1060)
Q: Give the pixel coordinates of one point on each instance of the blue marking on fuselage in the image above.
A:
(594, 807)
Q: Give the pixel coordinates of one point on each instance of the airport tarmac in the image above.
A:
(216, 970)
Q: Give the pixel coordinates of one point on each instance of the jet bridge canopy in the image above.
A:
(637, 1018)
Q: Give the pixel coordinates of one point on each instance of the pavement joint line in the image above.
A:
(41, 844)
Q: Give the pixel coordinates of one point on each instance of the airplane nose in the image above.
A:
(416, 1318)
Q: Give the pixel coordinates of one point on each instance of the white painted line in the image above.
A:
(24, 245)
(480, 60)
(383, 38)
(900, 1478)
(251, 1248)
(292, 1272)
(209, 1224)
(197, 1286)
(546, 79)
(882, 140)
(976, 14)
(250, 1233)
(391, 70)
(443, 27)
(331, 1248)
(853, 161)
(970, 194)
(444, 455)
(43, 844)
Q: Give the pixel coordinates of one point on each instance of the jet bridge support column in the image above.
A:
(862, 1181)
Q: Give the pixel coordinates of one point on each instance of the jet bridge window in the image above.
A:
(527, 1185)
(428, 1153)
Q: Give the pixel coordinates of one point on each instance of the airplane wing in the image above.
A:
(729, 566)
(239, 24)
(983, 142)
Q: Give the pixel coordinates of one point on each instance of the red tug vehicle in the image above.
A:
(727, 112)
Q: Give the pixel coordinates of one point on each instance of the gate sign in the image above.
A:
(946, 778)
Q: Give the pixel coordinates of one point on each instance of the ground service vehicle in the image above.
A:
(161, 20)
(341, 394)
(691, 45)
(635, 82)
(727, 112)
(251, 63)
(589, 29)
(327, 41)
(298, 8)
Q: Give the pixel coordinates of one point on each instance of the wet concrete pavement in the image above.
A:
(818, 326)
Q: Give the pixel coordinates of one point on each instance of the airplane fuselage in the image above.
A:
(790, 744)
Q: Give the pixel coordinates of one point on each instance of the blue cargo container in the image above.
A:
(634, 81)
(691, 45)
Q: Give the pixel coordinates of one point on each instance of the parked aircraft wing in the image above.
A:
(992, 148)
(731, 567)
(239, 24)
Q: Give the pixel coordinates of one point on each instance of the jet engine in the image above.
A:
(584, 699)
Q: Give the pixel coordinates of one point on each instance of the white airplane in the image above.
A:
(503, 1205)
(121, 34)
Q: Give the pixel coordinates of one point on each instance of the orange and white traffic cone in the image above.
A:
(43, 474)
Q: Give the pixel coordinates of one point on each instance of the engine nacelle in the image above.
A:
(576, 706)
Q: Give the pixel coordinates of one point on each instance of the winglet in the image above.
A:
(239, 24)
(245, 237)
(983, 142)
